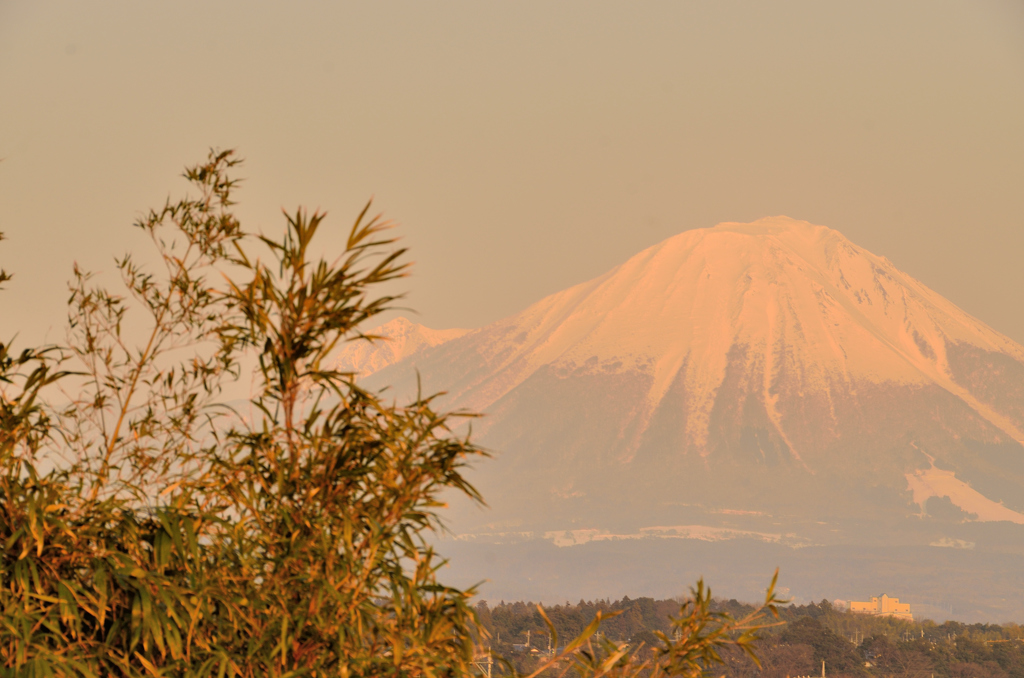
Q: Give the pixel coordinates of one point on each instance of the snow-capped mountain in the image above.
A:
(769, 378)
(392, 342)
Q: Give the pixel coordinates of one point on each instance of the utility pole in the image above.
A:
(482, 665)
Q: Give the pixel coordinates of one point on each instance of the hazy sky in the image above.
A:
(523, 146)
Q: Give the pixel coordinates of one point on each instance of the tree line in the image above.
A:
(850, 644)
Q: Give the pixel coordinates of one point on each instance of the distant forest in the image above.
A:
(849, 644)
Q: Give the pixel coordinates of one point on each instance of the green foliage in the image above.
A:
(868, 645)
(695, 641)
(172, 535)
(812, 633)
(837, 652)
(507, 623)
(150, 528)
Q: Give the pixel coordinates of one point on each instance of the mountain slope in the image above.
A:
(394, 341)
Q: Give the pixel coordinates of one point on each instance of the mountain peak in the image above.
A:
(788, 291)
(771, 226)
(793, 295)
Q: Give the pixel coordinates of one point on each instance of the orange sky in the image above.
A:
(523, 146)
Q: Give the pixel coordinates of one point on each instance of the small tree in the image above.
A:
(173, 535)
(148, 528)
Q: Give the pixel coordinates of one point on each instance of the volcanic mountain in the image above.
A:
(769, 379)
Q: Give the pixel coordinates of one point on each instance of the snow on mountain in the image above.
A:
(793, 293)
(771, 368)
(392, 342)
